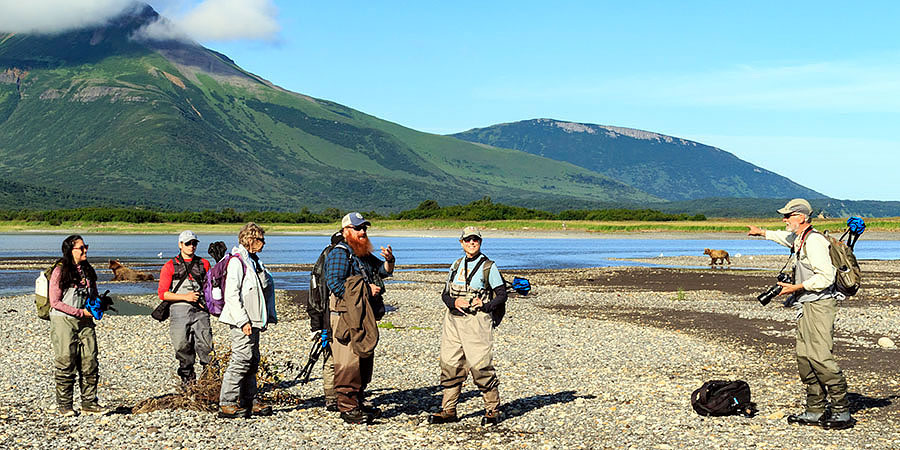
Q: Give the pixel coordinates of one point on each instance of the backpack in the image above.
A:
(498, 312)
(848, 275)
(42, 293)
(214, 287)
(847, 272)
(723, 398)
(318, 288)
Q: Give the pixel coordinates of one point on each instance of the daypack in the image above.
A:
(318, 288)
(42, 293)
(521, 285)
(847, 272)
(848, 275)
(723, 398)
(486, 264)
(214, 287)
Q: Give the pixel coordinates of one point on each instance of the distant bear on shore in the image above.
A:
(122, 273)
(717, 256)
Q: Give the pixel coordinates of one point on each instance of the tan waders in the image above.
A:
(467, 347)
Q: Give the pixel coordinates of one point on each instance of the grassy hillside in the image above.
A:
(96, 117)
(665, 166)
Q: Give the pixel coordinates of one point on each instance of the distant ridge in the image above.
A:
(668, 167)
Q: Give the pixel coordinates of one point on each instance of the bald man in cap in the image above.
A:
(812, 292)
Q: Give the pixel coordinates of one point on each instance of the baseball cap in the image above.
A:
(353, 219)
(187, 236)
(797, 205)
(470, 231)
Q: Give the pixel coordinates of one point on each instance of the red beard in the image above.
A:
(361, 247)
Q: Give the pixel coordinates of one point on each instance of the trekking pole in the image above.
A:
(314, 354)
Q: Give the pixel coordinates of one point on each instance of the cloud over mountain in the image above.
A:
(218, 20)
(55, 16)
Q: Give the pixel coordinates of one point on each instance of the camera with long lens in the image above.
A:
(773, 291)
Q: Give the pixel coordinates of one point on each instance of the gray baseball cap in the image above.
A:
(797, 205)
(187, 236)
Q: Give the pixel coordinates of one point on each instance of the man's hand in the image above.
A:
(191, 297)
(247, 329)
(375, 289)
(788, 289)
(755, 231)
(387, 254)
(477, 303)
(461, 303)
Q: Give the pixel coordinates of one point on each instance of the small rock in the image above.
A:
(886, 342)
(776, 415)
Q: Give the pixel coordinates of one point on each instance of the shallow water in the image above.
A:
(150, 252)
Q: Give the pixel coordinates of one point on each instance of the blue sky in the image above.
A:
(810, 90)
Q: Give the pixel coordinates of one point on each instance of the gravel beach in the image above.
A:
(595, 358)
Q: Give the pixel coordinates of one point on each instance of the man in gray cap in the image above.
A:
(812, 292)
(354, 276)
(181, 283)
(475, 296)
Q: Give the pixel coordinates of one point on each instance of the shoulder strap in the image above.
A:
(486, 273)
(187, 270)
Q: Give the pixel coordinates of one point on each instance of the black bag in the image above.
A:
(723, 398)
(161, 312)
(318, 289)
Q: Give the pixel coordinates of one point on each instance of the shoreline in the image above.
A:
(488, 233)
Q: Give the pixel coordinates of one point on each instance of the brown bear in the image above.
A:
(122, 273)
(717, 257)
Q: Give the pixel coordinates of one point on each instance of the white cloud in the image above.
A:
(217, 20)
(54, 16)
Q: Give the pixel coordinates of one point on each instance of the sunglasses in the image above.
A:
(788, 216)
(360, 227)
(192, 243)
(471, 239)
(263, 240)
(83, 248)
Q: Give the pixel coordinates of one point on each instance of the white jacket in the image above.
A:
(249, 294)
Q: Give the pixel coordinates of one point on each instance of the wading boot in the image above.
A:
(260, 409)
(491, 417)
(331, 405)
(370, 409)
(839, 421)
(807, 418)
(93, 408)
(232, 412)
(443, 417)
(356, 416)
(67, 411)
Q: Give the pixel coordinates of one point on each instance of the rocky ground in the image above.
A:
(595, 358)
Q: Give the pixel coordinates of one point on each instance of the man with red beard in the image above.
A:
(354, 277)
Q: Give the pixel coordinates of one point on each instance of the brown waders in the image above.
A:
(815, 362)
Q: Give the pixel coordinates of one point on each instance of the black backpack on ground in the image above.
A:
(723, 398)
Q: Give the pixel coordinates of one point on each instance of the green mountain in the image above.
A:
(665, 166)
(98, 117)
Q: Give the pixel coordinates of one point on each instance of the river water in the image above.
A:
(152, 251)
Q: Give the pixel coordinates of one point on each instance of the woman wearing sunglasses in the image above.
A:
(72, 335)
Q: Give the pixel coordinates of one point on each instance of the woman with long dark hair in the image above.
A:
(72, 334)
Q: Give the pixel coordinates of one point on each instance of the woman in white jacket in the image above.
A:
(249, 308)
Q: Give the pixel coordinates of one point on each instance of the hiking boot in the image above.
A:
(187, 381)
(67, 411)
(261, 409)
(356, 415)
(443, 417)
(93, 408)
(839, 421)
(491, 418)
(807, 418)
(331, 405)
(370, 409)
(232, 412)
